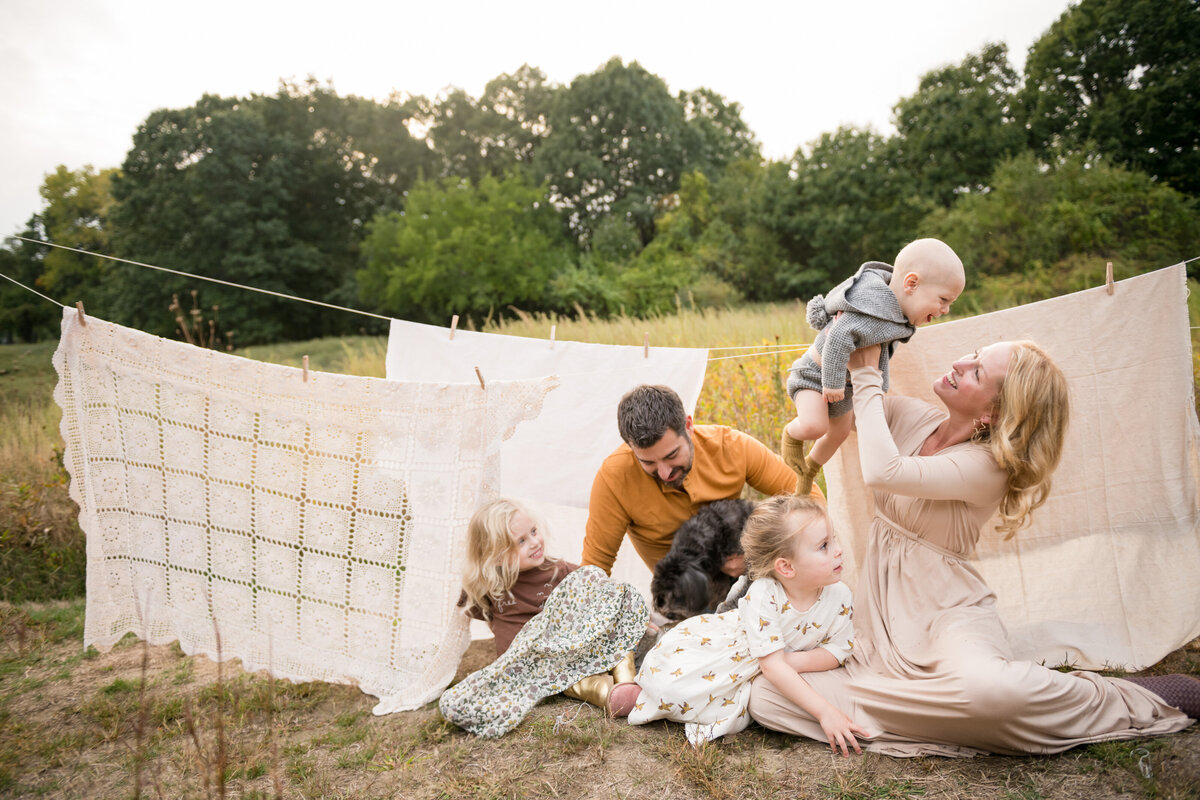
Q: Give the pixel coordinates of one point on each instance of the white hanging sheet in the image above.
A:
(549, 463)
(314, 528)
(1108, 573)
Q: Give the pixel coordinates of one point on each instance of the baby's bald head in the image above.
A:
(932, 260)
(927, 278)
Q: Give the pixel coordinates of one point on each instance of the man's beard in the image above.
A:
(677, 483)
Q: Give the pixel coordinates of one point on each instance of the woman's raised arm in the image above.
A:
(967, 474)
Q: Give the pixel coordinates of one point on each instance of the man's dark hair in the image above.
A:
(645, 414)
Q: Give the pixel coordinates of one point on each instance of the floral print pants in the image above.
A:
(587, 626)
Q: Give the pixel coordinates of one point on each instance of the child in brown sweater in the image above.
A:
(558, 627)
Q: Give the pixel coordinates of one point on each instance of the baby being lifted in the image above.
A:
(879, 304)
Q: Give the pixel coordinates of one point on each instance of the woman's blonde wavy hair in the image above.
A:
(1027, 432)
(492, 555)
(770, 530)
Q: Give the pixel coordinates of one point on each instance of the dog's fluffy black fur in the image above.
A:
(688, 580)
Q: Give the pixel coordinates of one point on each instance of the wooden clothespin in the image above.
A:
(304, 366)
(453, 326)
(479, 375)
(82, 316)
(552, 327)
(1108, 281)
(646, 344)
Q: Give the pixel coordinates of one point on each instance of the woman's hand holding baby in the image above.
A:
(864, 357)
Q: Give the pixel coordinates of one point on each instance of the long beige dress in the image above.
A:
(932, 670)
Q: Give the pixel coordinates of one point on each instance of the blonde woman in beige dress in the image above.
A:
(932, 671)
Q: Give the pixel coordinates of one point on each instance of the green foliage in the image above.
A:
(460, 248)
(1120, 78)
(653, 281)
(717, 134)
(270, 191)
(24, 317)
(960, 124)
(618, 146)
(684, 261)
(41, 546)
(78, 204)
(75, 214)
(1045, 218)
(588, 284)
(650, 199)
(493, 134)
(748, 231)
(853, 201)
(42, 552)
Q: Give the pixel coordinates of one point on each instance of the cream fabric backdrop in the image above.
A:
(313, 527)
(1109, 573)
(549, 463)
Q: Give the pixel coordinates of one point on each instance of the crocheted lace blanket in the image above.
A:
(310, 525)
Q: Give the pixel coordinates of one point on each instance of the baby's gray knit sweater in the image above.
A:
(871, 314)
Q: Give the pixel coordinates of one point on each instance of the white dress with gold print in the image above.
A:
(699, 673)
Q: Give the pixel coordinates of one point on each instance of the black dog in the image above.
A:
(688, 580)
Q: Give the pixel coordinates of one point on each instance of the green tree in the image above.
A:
(718, 136)
(270, 191)
(25, 317)
(718, 244)
(670, 266)
(1038, 220)
(618, 146)
(750, 227)
(462, 248)
(853, 201)
(491, 135)
(1120, 78)
(77, 207)
(960, 124)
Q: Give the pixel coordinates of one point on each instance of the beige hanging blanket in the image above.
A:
(313, 526)
(1109, 573)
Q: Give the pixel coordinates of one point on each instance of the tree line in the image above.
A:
(612, 195)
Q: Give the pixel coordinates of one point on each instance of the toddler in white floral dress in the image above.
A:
(795, 618)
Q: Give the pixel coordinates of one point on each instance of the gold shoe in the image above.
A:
(593, 689)
(625, 671)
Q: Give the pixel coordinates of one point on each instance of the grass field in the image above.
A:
(144, 721)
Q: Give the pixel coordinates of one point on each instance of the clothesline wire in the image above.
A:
(778, 349)
(766, 349)
(200, 277)
(30, 289)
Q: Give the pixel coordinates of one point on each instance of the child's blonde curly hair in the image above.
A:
(492, 555)
(770, 532)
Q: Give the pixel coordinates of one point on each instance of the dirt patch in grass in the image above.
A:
(153, 722)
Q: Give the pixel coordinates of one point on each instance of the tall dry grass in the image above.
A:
(41, 544)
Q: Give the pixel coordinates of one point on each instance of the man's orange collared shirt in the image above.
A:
(625, 499)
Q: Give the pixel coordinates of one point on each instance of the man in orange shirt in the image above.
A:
(666, 469)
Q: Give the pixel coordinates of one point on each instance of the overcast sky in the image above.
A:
(78, 76)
